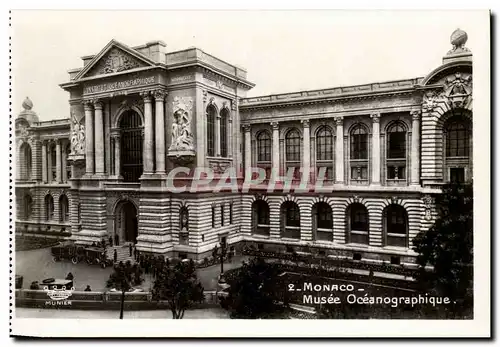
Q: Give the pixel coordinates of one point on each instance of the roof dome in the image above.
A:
(27, 112)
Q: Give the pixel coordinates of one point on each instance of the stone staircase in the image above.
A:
(122, 253)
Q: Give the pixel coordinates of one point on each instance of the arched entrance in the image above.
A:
(126, 226)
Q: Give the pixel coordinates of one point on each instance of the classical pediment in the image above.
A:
(114, 58)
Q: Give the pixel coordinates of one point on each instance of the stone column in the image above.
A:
(64, 163)
(99, 138)
(58, 161)
(44, 162)
(248, 151)
(148, 134)
(376, 149)
(50, 164)
(415, 150)
(117, 156)
(160, 131)
(339, 150)
(306, 152)
(217, 135)
(276, 148)
(89, 138)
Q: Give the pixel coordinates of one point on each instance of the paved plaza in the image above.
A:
(36, 265)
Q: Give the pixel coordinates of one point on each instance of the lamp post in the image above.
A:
(220, 253)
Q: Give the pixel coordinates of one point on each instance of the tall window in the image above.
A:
(211, 112)
(53, 163)
(184, 226)
(357, 224)
(231, 213)
(324, 151)
(68, 166)
(224, 118)
(359, 152)
(290, 220)
(322, 221)
(292, 151)
(213, 216)
(28, 207)
(457, 150)
(396, 151)
(221, 215)
(396, 226)
(260, 217)
(131, 146)
(263, 147)
(49, 207)
(26, 160)
(63, 208)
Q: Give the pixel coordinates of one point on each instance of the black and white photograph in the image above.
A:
(264, 168)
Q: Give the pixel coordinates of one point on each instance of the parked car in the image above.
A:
(55, 283)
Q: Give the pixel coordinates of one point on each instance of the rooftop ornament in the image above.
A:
(458, 39)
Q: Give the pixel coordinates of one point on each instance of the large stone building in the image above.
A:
(137, 113)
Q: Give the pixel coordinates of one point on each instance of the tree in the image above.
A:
(255, 291)
(179, 286)
(123, 278)
(447, 245)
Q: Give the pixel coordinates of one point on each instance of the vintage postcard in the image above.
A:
(288, 172)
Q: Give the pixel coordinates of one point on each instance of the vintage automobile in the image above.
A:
(64, 251)
(95, 256)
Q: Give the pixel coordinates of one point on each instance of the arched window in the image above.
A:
(131, 145)
(224, 118)
(184, 226)
(26, 161)
(49, 207)
(264, 147)
(28, 206)
(290, 220)
(292, 151)
(396, 151)
(457, 148)
(324, 151)
(395, 226)
(357, 224)
(63, 208)
(260, 217)
(359, 152)
(322, 221)
(211, 112)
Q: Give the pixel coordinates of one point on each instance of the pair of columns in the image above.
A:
(339, 148)
(94, 141)
(61, 160)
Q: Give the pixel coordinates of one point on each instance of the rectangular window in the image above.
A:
(396, 172)
(457, 174)
(222, 215)
(213, 217)
(231, 213)
(397, 145)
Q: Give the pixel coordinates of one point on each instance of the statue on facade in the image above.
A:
(182, 137)
(77, 136)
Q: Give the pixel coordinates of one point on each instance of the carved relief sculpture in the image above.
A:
(77, 136)
(182, 143)
(115, 61)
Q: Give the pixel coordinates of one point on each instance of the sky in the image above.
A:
(283, 51)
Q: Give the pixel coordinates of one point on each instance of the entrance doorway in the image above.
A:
(126, 226)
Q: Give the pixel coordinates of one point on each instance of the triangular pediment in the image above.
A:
(114, 58)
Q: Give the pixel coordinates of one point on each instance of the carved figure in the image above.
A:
(182, 137)
(77, 137)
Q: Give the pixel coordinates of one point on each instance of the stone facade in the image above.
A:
(138, 114)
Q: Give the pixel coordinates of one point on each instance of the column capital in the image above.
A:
(305, 123)
(375, 117)
(58, 141)
(275, 125)
(88, 105)
(246, 127)
(339, 120)
(98, 104)
(415, 115)
(233, 104)
(160, 94)
(146, 96)
(205, 95)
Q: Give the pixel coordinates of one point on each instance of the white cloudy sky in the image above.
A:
(283, 51)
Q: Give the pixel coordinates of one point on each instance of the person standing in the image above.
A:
(88, 288)
(115, 256)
